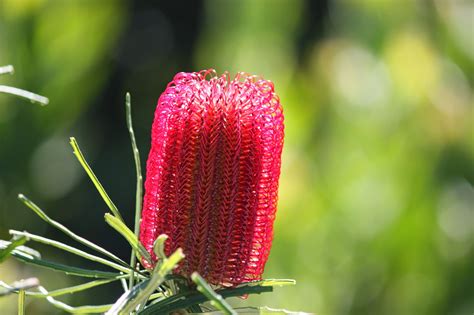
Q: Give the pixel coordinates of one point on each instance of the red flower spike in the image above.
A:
(212, 174)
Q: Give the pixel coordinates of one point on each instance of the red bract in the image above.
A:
(212, 174)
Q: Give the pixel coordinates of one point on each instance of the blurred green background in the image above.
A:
(376, 207)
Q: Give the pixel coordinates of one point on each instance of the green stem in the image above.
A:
(139, 185)
(21, 302)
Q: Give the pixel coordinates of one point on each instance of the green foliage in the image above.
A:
(216, 299)
(68, 232)
(131, 238)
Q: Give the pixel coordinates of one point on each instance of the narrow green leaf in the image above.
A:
(87, 309)
(83, 286)
(64, 291)
(215, 299)
(78, 153)
(66, 231)
(127, 303)
(159, 246)
(23, 249)
(120, 227)
(35, 98)
(128, 296)
(267, 310)
(272, 282)
(69, 270)
(187, 299)
(6, 252)
(139, 185)
(7, 69)
(71, 249)
(259, 310)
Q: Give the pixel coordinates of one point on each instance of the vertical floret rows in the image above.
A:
(212, 174)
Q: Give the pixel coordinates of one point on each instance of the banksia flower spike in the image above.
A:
(212, 174)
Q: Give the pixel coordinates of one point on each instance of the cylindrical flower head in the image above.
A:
(212, 174)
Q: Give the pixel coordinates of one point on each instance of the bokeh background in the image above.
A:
(376, 194)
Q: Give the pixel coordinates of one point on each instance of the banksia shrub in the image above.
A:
(212, 174)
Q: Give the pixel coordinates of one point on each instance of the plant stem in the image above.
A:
(139, 185)
(21, 302)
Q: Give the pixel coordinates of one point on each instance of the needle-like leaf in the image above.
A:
(216, 299)
(272, 282)
(30, 204)
(35, 98)
(62, 291)
(120, 227)
(78, 153)
(28, 258)
(139, 185)
(190, 298)
(130, 300)
(6, 252)
(71, 249)
(86, 309)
